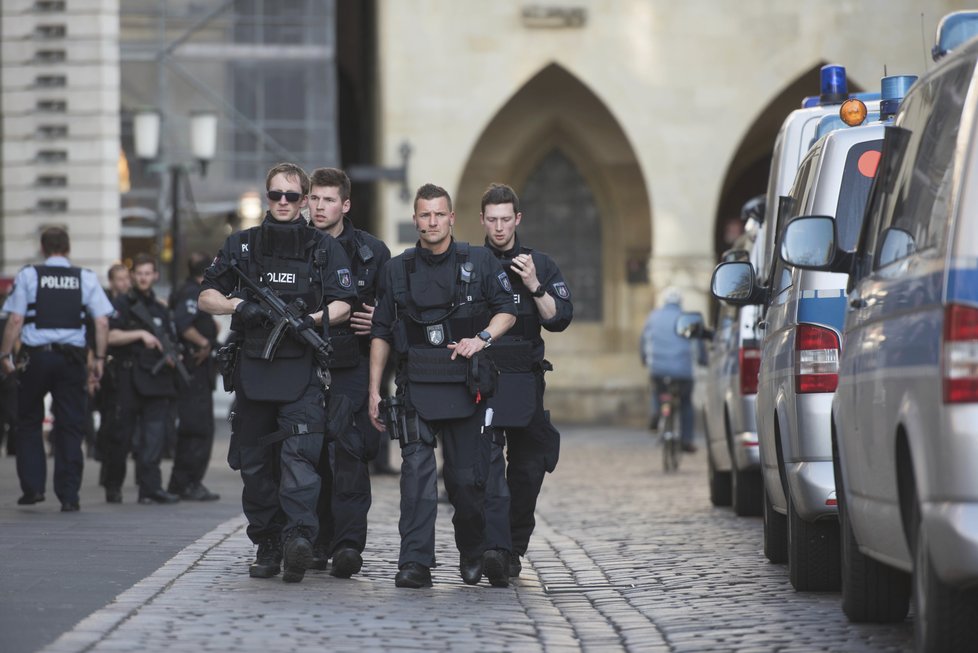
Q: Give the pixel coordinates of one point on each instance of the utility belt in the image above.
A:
(71, 352)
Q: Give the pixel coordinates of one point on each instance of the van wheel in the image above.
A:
(775, 532)
(719, 482)
(871, 590)
(814, 558)
(946, 618)
(748, 489)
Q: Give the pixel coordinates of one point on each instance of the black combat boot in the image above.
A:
(515, 566)
(346, 562)
(268, 561)
(413, 575)
(470, 570)
(496, 564)
(320, 557)
(298, 555)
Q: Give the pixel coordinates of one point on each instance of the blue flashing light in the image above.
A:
(894, 90)
(833, 86)
(953, 30)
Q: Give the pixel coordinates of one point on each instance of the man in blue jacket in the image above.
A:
(668, 355)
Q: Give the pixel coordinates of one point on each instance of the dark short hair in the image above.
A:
(142, 259)
(500, 194)
(116, 267)
(290, 170)
(54, 240)
(331, 178)
(430, 192)
(197, 262)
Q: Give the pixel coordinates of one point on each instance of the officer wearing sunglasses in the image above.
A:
(279, 416)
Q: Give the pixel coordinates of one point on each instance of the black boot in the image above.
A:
(413, 575)
(515, 566)
(471, 570)
(346, 562)
(268, 561)
(297, 555)
(320, 557)
(496, 564)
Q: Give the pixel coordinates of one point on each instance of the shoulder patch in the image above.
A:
(190, 305)
(562, 290)
(504, 282)
(344, 277)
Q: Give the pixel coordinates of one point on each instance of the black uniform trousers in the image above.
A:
(281, 480)
(531, 452)
(466, 456)
(195, 430)
(345, 497)
(63, 374)
(140, 427)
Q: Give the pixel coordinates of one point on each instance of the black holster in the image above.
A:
(227, 359)
(403, 424)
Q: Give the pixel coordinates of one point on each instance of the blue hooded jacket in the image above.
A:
(665, 352)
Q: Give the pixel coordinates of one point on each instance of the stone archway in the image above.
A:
(585, 203)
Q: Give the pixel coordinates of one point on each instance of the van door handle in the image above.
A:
(857, 302)
(762, 324)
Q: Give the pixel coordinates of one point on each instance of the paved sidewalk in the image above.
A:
(624, 558)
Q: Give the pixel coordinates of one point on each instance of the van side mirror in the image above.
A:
(810, 243)
(735, 255)
(733, 282)
(897, 244)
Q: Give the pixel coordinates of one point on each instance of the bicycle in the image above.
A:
(668, 427)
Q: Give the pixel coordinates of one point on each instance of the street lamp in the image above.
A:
(203, 144)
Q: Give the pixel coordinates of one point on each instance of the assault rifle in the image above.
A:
(170, 351)
(287, 316)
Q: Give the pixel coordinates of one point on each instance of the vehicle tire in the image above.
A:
(814, 553)
(775, 532)
(747, 489)
(945, 618)
(871, 591)
(719, 482)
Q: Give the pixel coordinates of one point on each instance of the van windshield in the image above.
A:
(857, 179)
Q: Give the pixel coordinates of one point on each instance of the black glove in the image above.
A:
(307, 322)
(251, 314)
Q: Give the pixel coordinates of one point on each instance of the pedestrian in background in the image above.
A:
(543, 302)
(344, 503)
(439, 305)
(46, 309)
(195, 400)
(279, 419)
(668, 355)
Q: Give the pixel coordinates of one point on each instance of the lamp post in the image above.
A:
(203, 144)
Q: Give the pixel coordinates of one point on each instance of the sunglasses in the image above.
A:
(290, 196)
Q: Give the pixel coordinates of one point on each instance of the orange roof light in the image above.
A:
(853, 112)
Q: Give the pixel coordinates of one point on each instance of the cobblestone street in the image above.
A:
(624, 557)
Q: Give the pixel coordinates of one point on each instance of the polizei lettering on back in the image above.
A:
(281, 277)
(60, 283)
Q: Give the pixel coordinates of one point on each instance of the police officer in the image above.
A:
(542, 301)
(45, 312)
(107, 392)
(439, 305)
(280, 417)
(343, 507)
(195, 400)
(139, 331)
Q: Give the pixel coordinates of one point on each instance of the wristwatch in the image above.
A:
(485, 337)
(539, 292)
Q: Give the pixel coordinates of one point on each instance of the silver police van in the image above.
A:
(905, 416)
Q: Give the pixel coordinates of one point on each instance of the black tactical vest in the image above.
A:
(527, 326)
(347, 346)
(59, 298)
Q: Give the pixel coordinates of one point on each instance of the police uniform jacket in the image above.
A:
(528, 323)
(367, 255)
(296, 261)
(183, 303)
(53, 298)
(424, 302)
(141, 359)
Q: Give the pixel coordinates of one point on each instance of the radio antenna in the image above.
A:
(923, 40)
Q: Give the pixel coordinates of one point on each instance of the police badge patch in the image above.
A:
(504, 282)
(436, 334)
(191, 306)
(345, 278)
(562, 290)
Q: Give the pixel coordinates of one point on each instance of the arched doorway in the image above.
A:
(585, 203)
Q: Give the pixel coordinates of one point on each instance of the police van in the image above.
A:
(905, 416)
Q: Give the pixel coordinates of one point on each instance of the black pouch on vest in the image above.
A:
(438, 385)
(515, 400)
(346, 351)
(280, 380)
(148, 384)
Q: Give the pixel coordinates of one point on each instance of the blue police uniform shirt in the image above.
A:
(25, 292)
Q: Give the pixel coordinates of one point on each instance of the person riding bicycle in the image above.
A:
(669, 356)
